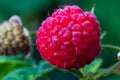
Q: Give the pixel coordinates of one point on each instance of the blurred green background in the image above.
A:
(33, 12)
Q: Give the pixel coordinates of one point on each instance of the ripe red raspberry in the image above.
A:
(70, 38)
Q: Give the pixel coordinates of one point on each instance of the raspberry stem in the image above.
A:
(112, 68)
(111, 46)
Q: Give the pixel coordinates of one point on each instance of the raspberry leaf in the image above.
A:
(92, 68)
(7, 64)
(29, 73)
(42, 72)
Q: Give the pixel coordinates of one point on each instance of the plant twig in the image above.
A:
(109, 71)
(101, 73)
(111, 46)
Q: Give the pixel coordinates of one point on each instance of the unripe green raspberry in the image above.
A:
(14, 38)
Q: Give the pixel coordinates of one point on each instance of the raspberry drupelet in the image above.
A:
(70, 38)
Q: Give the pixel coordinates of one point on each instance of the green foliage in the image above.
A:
(7, 64)
(111, 77)
(30, 73)
(94, 72)
(43, 71)
(58, 74)
(92, 68)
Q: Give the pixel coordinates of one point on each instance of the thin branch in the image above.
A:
(111, 46)
(112, 68)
